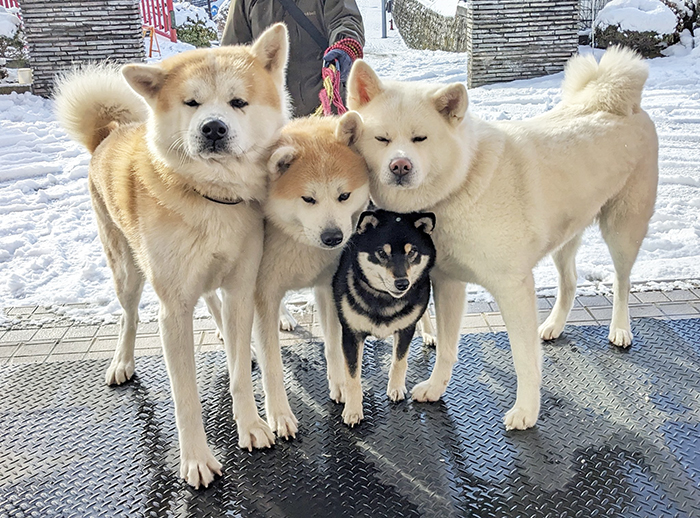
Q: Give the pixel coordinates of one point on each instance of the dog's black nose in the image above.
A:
(401, 166)
(332, 237)
(401, 284)
(214, 130)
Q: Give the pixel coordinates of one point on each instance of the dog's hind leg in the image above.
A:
(213, 303)
(449, 297)
(516, 299)
(353, 344)
(426, 330)
(623, 223)
(279, 414)
(565, 261)
(396, 389)
(287, 321)
(332, 335)
(128, 283)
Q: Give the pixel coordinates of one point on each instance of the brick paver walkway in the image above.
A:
(31, 341)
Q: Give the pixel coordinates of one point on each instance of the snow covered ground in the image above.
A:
(49, 249)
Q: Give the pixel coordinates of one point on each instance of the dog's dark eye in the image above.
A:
(382, 254)
(383, 140)
(237, 103)
(309, 200)
(419, 139)
(344, 196)
(192, 103)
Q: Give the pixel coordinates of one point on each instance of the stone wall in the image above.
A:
(422, 28)
(504, 39)
(63, 32)
(517, 39)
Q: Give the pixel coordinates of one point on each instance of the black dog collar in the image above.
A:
(223, 201)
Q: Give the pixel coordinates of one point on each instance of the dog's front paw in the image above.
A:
(336, 391)
(256, 434)
(520, 418)
(620, 337)
(428, 390)
(352, 414)
(550, 329)
(119, 371)
(396, 392)
(198, 467)
(284, 423)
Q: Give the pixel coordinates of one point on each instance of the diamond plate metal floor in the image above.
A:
(618, 436)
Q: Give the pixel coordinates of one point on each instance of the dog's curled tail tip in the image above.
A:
(614, 85)
(92, 100)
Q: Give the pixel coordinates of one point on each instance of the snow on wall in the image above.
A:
(441, 7)
(638, 16)
(9, 23)
(424, 28)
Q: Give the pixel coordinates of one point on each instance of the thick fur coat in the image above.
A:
(177, 179)
(506, 194)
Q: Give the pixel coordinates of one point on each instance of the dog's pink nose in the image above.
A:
(401, 166)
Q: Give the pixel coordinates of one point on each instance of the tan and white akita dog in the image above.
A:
(177, 177)
(318, 189)
(505, 194)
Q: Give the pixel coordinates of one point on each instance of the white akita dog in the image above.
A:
(505, 194)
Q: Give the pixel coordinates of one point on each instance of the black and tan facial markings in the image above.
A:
(395, 250)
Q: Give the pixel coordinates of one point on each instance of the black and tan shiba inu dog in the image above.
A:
(382, 287)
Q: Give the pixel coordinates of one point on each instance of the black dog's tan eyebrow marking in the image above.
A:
(387, 249)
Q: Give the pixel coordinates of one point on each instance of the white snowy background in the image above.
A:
(50, 253)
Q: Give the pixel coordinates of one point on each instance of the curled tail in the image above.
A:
(93, 100)
(614, 85)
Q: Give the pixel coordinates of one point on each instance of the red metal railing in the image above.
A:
(158, 14)
(9, 3)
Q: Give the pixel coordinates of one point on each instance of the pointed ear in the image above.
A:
(452, 101)
(349, 128)
(363, 85)
(281, 159)
(272, 49)
(145, 80)
(425, 222)
(367, 220)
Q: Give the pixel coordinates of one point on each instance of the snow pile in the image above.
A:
(187, 14)
(638, 16)
(648, 26)
(9, 22)
(443, 7)
(167, 48)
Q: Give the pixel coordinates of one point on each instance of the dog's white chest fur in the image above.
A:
(361, 322)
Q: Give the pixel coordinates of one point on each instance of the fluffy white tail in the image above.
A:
(93, 100)
(614, 85)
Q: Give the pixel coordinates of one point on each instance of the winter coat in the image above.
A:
(335, 20)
